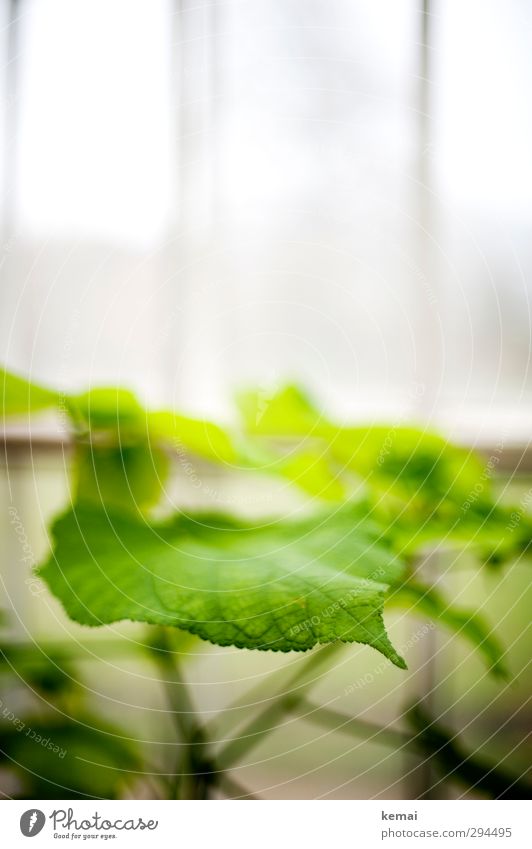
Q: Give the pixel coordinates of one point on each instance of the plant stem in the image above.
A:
(232, 788)
(266, 721)
(193, 772)
(351, 725)
(96, 649)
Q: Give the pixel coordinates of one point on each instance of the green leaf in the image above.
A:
(19, 397)
(128, 477)
(312, 472)
(115, 411)
(108, 409)
(199, 436)
(63, 758)
(408, 462)
(415, 463)
(425, 490)
(414, 597)
(494, 534)
(282, 586)
(118, 411)
(288, 412)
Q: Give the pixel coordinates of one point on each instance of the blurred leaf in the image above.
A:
(411, 460)
(415, 597)
(287, 412)
(108, 408)
(283, 586)
(453, 761)
(131, 477)
(415, 463)
(425, 490)
(119, 411)
(116, 411)
(494, 534)
(19, 397)
(67, 759)
(196, 435)
(48, 675)
(312, 472)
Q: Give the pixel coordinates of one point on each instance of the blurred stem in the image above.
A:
(233, 789)
(97, 649)
(193, 772)
(267, 720)
(336, 721)
(277, 681)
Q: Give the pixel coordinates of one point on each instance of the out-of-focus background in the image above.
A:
(198, 196)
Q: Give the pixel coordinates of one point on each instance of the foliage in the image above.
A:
(452, 760)
(282, 586)
(48, 752)
(381, 498)
(423, 489)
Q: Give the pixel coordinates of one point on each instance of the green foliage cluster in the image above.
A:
(382, 495)
(378, 499)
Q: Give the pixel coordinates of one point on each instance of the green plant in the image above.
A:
(381, 498)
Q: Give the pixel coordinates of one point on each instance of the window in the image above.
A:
(201, 195)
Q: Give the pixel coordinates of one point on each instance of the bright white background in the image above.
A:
(198, 195)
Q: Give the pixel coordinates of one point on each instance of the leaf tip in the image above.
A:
(399, 661)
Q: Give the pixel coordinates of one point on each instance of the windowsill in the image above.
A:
(499, 438)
